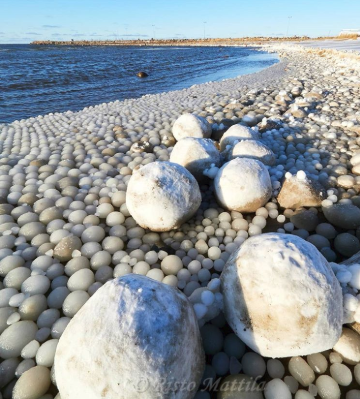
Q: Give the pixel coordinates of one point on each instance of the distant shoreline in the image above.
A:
(172, 42)
(245, 41)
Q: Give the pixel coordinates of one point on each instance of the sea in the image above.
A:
(37, 80)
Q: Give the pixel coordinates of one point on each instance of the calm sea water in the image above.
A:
(36, 80)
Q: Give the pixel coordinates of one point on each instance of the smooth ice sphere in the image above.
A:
(253, 365)
(236, 133)
(33, 383)
(81, 280)
(29, 351)
(291, 383)
(327, 388)
(171, 264)
(64, 250)
(35, 285)
(277, 389)
(243, 185)
(190, 125)
(59, 327)
(302, 394)
(10, 263)
(212, 339)
(275, 368)
(46, 353)
(317, 362)
(301, 371)
(140, 327)
(207, 298)
(162, 195)
(252, 149)
(32, 307)
(73, 302)
(301, 310)
(301, 175)
(335, 358)
(341, 374)
(233, 346)
(15, 337)
(220, 363)
(196, 155)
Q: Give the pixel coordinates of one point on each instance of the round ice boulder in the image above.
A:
(237, 133)
(162, 195)
(134, 337)
(253, 149)
(190, 125)
(196, 155)
(281, 297)
(243, 185)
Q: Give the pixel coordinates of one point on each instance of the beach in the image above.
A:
(68, 228)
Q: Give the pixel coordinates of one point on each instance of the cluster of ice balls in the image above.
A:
(99, 174)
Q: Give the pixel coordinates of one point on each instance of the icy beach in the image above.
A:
(201, 243)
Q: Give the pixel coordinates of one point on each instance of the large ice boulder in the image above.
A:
(253, 149)
(281, 296)
(132, 339)
(237, 133)
(196, 155)
(191, 125)
(162, 195)
(243, 185)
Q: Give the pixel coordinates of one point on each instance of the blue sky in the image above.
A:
(22, 21)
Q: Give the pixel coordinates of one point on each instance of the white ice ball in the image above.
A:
(196, 155)
(147, 331)
(281, 297)
(243, 185)
(190, 125)
(236, 133)
(162, 195)
(253, 149)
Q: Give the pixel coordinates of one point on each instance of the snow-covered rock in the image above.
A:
(132, 339)
(253, 149)
(299, 191)
(190, 125)
(281, 297)
(243, 185)
(162, 195)
(196, 155)
(236, 133)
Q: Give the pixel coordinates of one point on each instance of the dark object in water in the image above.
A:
(142, 75)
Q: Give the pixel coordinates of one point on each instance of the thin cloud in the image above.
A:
(2, 33)
(51, 26)
(33, 33)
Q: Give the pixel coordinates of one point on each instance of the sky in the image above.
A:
(23, 21)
